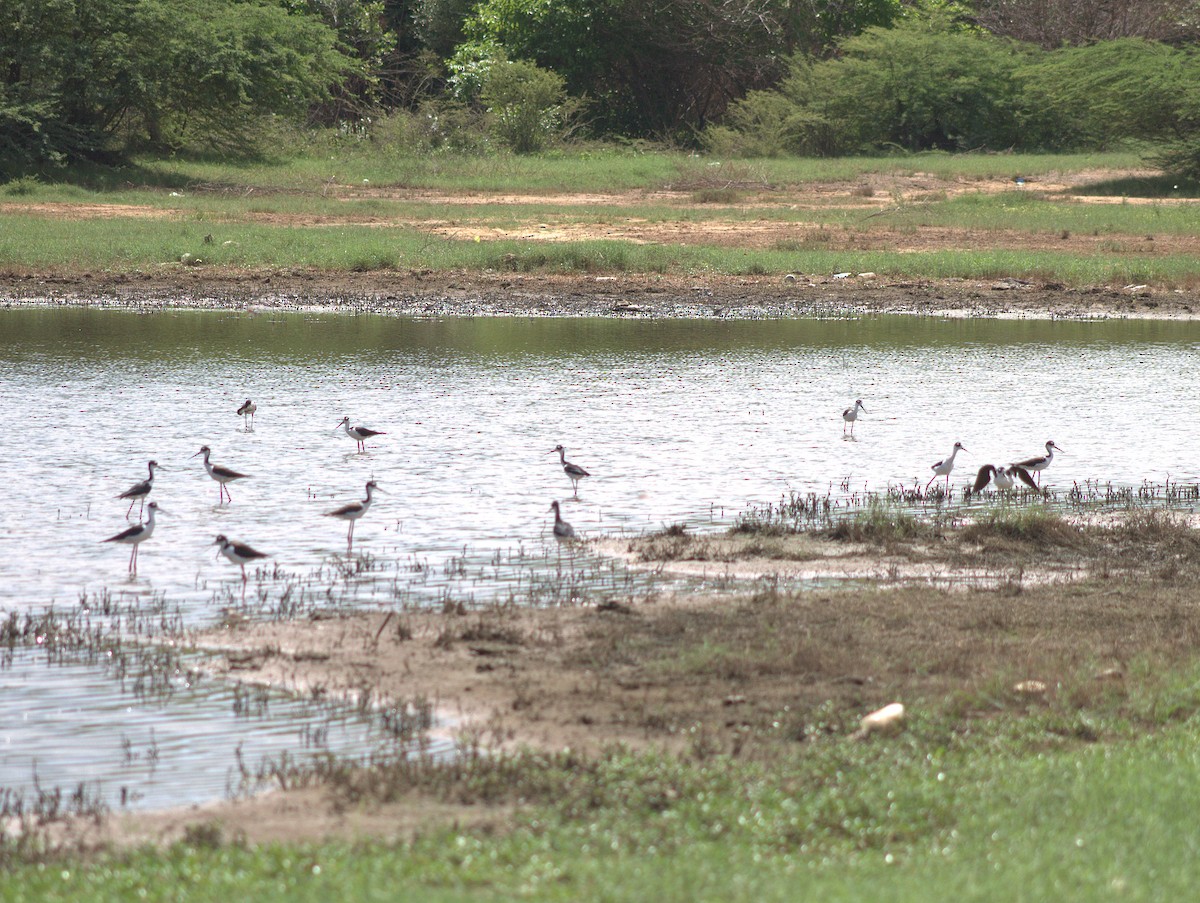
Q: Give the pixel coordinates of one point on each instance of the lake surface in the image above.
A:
(678, 421)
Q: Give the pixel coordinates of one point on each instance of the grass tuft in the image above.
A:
(1028, 524)
(880, 523)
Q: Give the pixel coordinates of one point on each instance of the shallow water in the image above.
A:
(678, 421)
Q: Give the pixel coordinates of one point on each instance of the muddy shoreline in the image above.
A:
(515, 294)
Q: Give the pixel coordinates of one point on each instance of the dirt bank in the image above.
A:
(515, 294)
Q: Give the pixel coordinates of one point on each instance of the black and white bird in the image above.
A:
(355, 510)
(135, 536)
(1039, 463)
(1004, 477)
(237, 552)
(942, 468)
(222, 475)
(359, 434)
(562, 530)
(138, 492)
(573, 471)
(246, 412)
(851, 414)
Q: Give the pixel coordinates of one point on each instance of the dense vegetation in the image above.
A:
(92, 79)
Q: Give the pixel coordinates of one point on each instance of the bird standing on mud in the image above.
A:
(573, 471)
(851, 414)
(942, 468)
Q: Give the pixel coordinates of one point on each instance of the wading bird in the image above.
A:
(562, 530)
(355, 510)
(237, 552)
(573, 471)
(942, 468)
(851, 414)
(359, 434)
(222, 475)
(1004, 477)
(138, 492)
(1040, 462)
(135, 536)
(246, 411)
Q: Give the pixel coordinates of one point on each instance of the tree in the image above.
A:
(647, 67)
(923, 84)
(82, 76)
(1052, 24)
(1109, 92)
(815, 26)
(526, 104)
(363, 35)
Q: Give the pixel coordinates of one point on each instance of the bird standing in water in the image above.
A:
(355, 510)
(138, 492)
(851, 414)
(247, 414)
(573, 471)
(237, 552)
(359, 434)
(562, 530)
(135, 536)
(221, 474)
(942, 468)
(1039, 463)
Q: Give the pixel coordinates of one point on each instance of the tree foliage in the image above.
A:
(1109, 92)
(923, 84)
(934, 84)
(527, 104)
(813, 26)
(363, 36)
(661, 67)
(87, 77)
(1052, 24)
(81, 75)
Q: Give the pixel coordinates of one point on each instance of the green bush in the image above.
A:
(769, 124)
(527, 104)
(926, 84)
(1107, 93)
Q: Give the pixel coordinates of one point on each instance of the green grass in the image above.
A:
(1030, 212)
(595, 171)
(879, 522)
(236, 201)
(1027, 523)
(125, 244)
(1015, 810)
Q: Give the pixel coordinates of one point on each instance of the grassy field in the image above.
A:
(1079, 220)
(908, 820)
